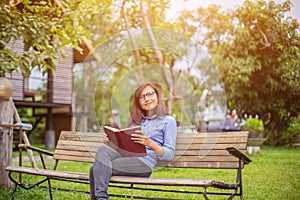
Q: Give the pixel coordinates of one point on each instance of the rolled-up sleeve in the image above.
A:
(169, 144)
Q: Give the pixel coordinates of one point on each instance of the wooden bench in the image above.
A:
(224, 150)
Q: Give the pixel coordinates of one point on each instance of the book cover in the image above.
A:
(121, 138)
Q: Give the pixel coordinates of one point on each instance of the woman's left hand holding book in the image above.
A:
(140, 137)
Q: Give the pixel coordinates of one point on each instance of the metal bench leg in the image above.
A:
(48, 179)
(14, 192)
(30, 186)
(50, 188)
(204, 194)
(16, 185)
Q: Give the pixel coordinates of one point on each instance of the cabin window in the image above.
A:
(35, 86)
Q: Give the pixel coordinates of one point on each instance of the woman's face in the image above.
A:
(148, 99)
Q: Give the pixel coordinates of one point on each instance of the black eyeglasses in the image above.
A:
(149, 94)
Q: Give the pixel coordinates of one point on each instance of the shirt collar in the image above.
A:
(152, 117)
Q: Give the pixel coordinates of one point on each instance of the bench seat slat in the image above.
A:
(214, 165)
(74, 158)
(75, 153)
(160, 181)
(205, 159)
(79, 143)
(187, 162)
(117, 179)
(187, 156)
(226, 140)
(213, 152)
(82, 138)
(214, 134)
(182, 138)
(70, 134)
(210, 146)
(182, 135)
(195, 140)
(77, 148)
(49, 173)
(179, 147)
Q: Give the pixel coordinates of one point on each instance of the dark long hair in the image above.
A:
(137, 112)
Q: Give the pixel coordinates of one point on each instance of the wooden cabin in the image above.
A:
(57, 106)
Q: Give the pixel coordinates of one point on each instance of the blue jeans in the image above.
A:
(109, 162)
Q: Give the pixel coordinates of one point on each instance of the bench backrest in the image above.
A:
(196, 150)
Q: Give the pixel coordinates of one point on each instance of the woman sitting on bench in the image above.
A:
(158, 135)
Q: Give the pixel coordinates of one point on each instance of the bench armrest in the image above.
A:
(26, 146)
(237, 153)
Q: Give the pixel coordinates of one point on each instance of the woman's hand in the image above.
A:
(141, 138)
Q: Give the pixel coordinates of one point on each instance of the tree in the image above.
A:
(148, 53)
(257, 50)
(45, 27)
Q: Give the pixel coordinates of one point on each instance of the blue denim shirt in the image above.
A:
(162, 131)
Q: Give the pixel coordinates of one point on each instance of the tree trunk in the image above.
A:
(137, 55)
(6, 141)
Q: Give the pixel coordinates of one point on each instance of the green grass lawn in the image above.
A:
(273, 174)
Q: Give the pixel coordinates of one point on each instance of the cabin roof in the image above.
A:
(87, 52)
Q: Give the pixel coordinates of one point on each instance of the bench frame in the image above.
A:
(235, 188)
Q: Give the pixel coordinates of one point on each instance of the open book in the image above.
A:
(121, 139)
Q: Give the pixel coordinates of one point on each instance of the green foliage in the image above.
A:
(254, 126)
(119, 60)
(293, 132)
(294, 127)
(44, 28)
(256, 49)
